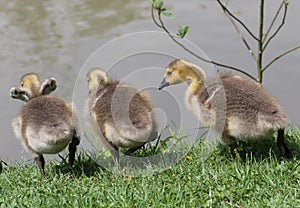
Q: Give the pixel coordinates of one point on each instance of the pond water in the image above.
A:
(56, 39)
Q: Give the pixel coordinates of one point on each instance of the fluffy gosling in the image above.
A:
(238, 108)
(46, 124)
(118, 114)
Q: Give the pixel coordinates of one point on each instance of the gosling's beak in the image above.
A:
(163, 84)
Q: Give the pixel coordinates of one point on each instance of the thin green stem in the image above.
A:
(260, 42)
(280, 56)
(273, 21)
(279, 27)
(153, 17)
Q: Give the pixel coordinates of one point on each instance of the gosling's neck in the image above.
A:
(195, 75)
(35, 90)
(195, 81)
(194, 86)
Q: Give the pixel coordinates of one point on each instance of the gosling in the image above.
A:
(237, 108)
(46, 124)
(119, 114)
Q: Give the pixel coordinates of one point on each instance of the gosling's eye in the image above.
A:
(169, 73)
(22, 84)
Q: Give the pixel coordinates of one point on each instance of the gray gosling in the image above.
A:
(46, 124)
(119, 114)
(236, 107)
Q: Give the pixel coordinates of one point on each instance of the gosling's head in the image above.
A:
(96, 77)
(31, 82)
(179, 71)
(31, 87)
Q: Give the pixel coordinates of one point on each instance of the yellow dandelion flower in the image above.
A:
(188, 157)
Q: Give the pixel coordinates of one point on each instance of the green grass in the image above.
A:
(258, 178)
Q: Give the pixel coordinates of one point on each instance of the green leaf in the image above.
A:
(157, 4)
(168, 14)
(182, 31)
(286, 2)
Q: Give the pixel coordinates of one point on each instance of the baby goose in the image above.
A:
(118, 113)
(45, 125)
(245, 108)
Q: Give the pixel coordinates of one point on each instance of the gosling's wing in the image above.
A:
(48, 86)
(211, 104)
(20, 93)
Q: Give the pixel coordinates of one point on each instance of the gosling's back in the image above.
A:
(47, 122)
(122, 103)
(244, 96)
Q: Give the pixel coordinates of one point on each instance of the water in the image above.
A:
(55, 39)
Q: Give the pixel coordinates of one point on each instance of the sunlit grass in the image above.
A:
(256, 178)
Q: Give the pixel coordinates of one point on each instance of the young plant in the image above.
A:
(263, 38)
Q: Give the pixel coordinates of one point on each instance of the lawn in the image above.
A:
(256, 178)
